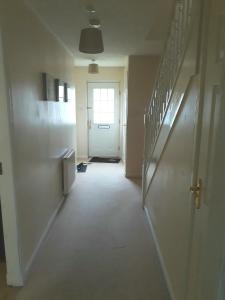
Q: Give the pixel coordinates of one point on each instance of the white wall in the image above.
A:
(81, 77)
(141, 77)
(41, 131)
(7, 187)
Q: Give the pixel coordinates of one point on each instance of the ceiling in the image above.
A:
(130, 27)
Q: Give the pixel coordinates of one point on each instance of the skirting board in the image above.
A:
(166, 275)
(82, 158)
(133, 175)
(43, 237)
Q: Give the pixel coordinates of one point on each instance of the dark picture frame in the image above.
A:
(59, 90)
(66, 91)
(69, 92)
(48, 87)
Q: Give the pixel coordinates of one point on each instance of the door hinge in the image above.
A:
(196, 191)
(1, 169)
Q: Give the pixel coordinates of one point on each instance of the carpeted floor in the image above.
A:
(100, 247)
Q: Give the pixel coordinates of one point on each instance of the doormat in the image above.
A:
(110, 160)
(81, 168)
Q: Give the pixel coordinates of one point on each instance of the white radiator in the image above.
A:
(69, 171)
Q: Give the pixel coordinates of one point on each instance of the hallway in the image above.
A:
(100, 246)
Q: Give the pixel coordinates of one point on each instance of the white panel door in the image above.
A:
(103, 119)
(207, 274)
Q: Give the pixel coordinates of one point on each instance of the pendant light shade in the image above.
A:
(91, 41)
(93, 68)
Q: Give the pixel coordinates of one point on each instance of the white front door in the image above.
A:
(103, 119)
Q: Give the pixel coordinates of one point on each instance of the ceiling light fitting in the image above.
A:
(90, 9)
(95, 23)
(91, 41)
(93, 68)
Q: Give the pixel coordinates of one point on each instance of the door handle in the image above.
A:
(89, 124)
(196, 191)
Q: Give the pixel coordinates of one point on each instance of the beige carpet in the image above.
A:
(100, 247)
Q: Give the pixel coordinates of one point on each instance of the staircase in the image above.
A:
(166, 100)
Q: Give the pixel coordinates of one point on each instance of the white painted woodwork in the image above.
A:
(81, 78)
(103, 128)
(184, 141)
(7, 184)
(168, 200)
(207, 273)
(178, 64)
(69, 171)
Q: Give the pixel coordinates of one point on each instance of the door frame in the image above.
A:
(7, 184)
(120, 110)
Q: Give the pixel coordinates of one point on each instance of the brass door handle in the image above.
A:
(196, 190)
